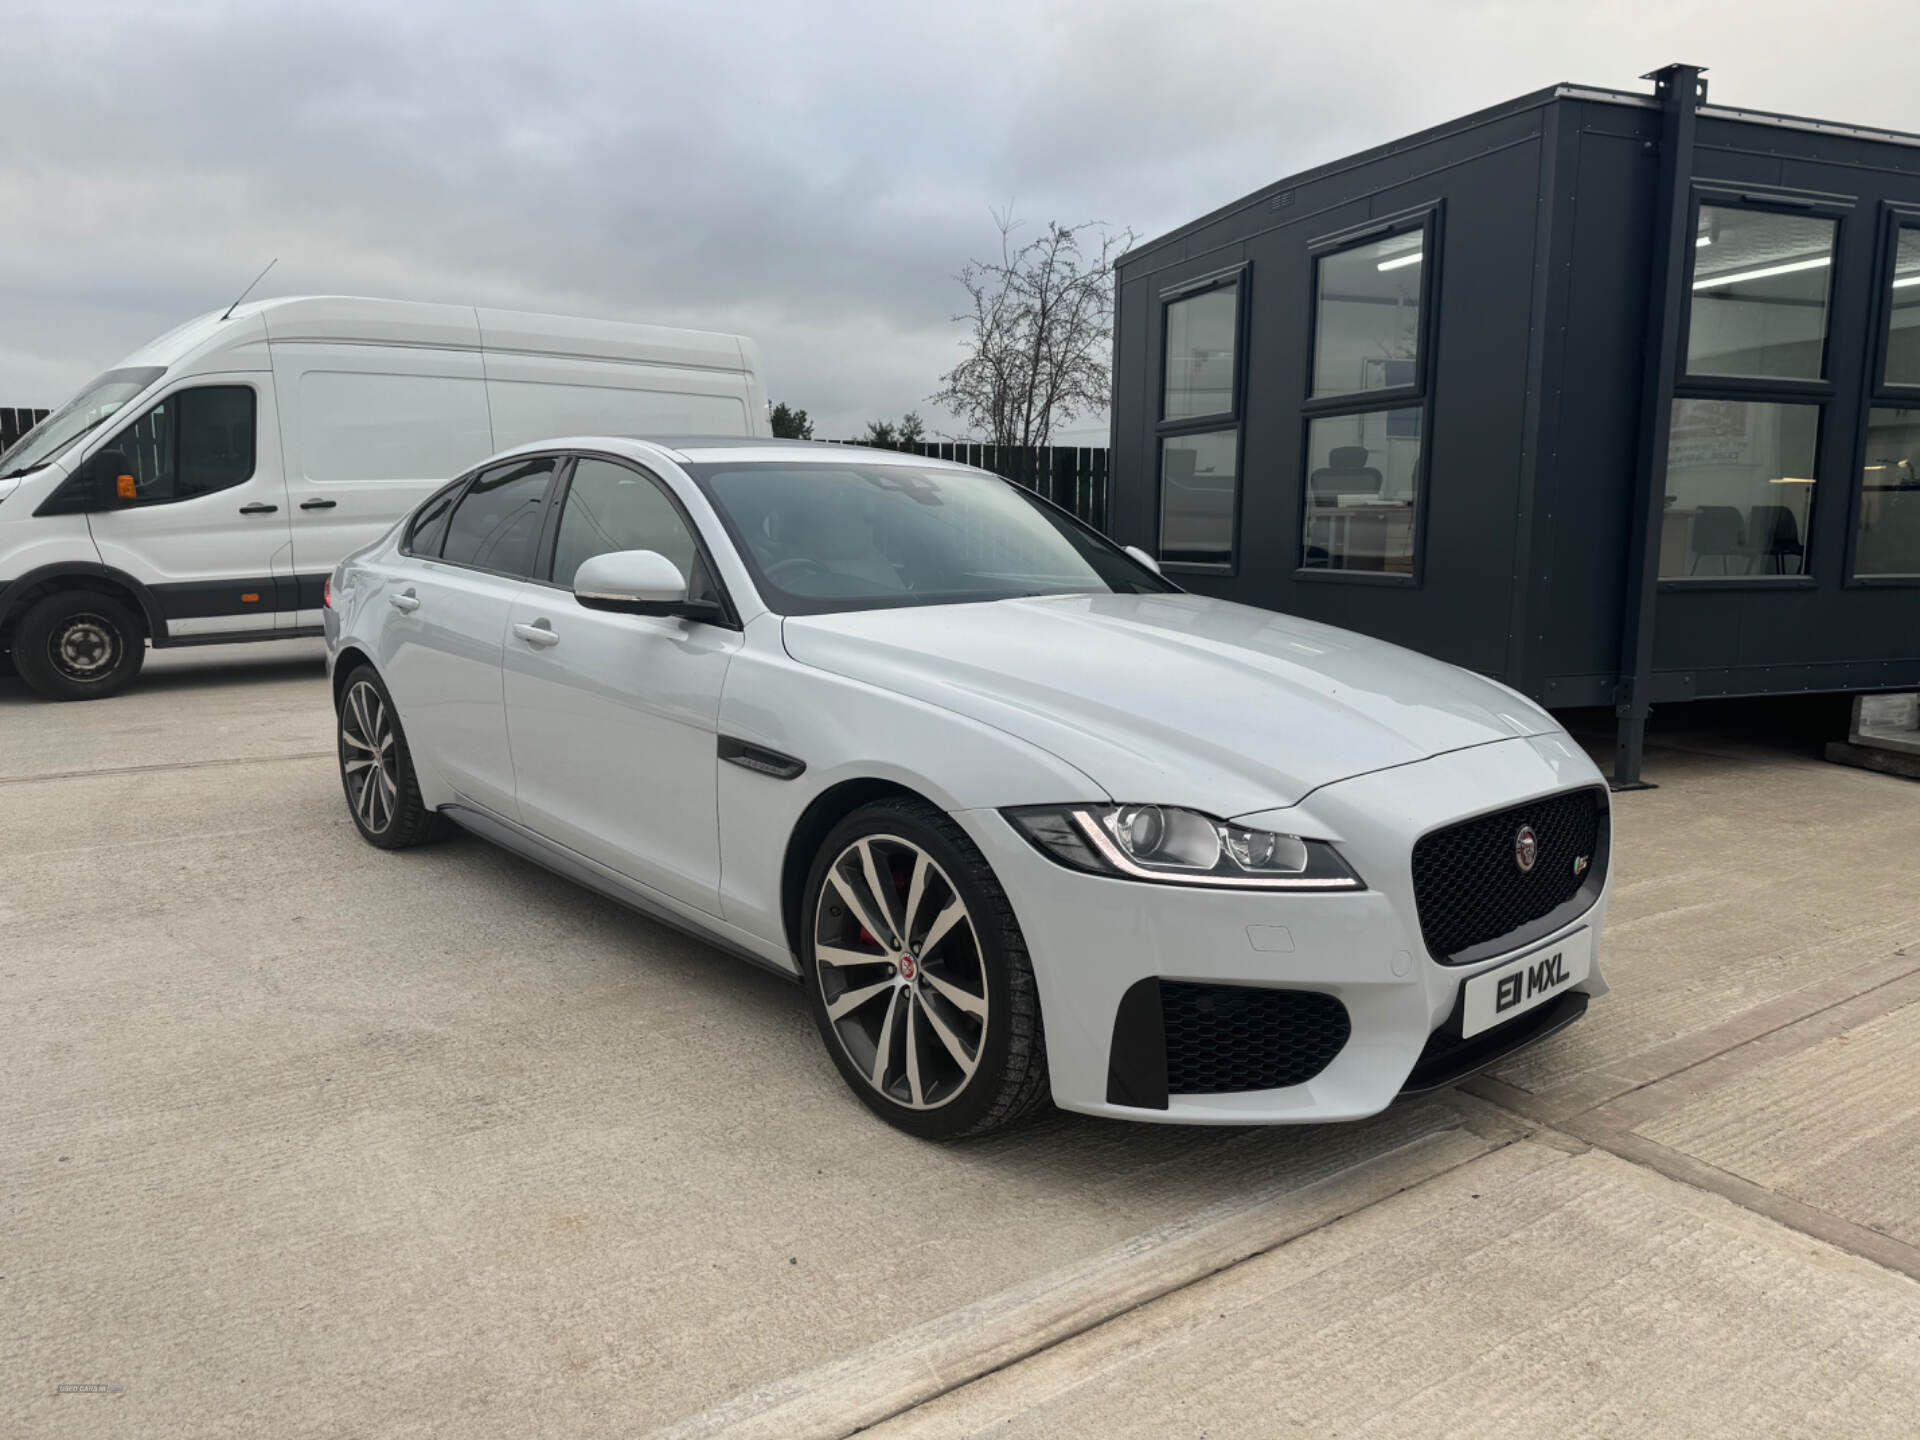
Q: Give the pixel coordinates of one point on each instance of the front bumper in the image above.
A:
(1092, 939)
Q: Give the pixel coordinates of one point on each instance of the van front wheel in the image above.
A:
(78, 645)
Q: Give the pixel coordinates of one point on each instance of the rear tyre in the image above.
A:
(79, 645)
(376, 769)
(918, 977)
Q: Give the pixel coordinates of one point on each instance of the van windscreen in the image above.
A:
(92, 407)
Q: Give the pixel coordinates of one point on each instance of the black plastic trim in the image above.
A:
(1137, 1061)
(759, 759)
(202, 599)
(11, 590)
(1447, 1058)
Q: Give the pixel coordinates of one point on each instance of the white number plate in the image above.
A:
(1517, 986)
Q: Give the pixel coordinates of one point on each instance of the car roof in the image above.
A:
(701, 449)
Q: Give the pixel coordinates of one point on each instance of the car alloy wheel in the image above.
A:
(368, 760)
(901, 972)
(85, 649)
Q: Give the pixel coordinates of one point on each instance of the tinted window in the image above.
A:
(1903, 335)
(1889, 538)
(610, 507)
(1363, 482)
(1759, 294)
(497, 521)
(1200, 344)
(429, 524)
(1739, 488)
(827, 537)
(194, 442)
(1197, 485)
(1366, 324)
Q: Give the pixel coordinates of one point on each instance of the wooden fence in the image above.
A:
(1072, 477)
(15, 423)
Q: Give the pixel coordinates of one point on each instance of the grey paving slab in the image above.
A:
(1529, 1293)
(1835, 1126)
(307, 1139)
(1743, 879)
(213, 702)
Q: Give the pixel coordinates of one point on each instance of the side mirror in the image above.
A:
(1143, 557)
(637, 582)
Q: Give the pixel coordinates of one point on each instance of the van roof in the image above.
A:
(334, 319)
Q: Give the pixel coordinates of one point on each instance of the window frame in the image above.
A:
(562, 464)
(548, 542)
(1767, 390)
(1428, 219)
(1233, 418)
(169, 396)
(1877, 393)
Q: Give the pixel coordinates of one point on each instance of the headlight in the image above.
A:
(1180, 847)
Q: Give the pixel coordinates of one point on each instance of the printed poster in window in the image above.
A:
(1709, 433)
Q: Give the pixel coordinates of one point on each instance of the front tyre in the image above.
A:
(79, 645)
(918, 977)
(376, 769)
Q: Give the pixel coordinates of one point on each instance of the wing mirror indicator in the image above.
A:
(638, 582)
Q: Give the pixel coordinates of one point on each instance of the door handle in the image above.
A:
(406, 602)
(539, 634)
(318, 504)
(256, 508)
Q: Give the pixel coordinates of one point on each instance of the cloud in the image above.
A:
(810, 174)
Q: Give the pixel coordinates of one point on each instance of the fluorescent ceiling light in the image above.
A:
(1704, 240)
(1400, 260)
(1901, 282)
(1790, 480)
(1764, 273)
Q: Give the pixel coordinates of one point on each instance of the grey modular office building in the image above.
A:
(1612, 396)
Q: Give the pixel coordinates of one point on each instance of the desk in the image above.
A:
(1371, 537)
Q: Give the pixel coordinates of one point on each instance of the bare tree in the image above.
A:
(1042, 319)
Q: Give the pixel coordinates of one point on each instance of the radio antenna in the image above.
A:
(249, 290)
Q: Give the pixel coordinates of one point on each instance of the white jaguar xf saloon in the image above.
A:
(1025, 820)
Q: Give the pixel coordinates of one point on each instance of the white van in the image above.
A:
(266, 444)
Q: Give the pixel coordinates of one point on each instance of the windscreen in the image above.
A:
(91, 408)
(826, 537)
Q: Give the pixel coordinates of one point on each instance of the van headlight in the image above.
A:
(1175, 846)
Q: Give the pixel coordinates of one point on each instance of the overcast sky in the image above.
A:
(808, 174)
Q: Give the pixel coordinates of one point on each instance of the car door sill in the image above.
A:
(590, 873)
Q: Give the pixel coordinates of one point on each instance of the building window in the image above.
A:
(1739, 487)
(1366, 315)
(1888, 542)
(1199, 426)
(1199, 478)
(1200, 344)
(1365, 412)
(1903, 329)
(1760, 285)
(1363, 477)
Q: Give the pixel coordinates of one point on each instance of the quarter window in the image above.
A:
(1366, 411)
(1199, 427)
(194, 442)
(428, 528)
(1760, 284)
(497, 522)
(610, 507)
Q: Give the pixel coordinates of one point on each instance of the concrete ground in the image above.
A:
(305, 1139)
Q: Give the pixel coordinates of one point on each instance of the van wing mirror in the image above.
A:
(111, 481)
(634, 582)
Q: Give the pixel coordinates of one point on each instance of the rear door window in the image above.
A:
(496, 525)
